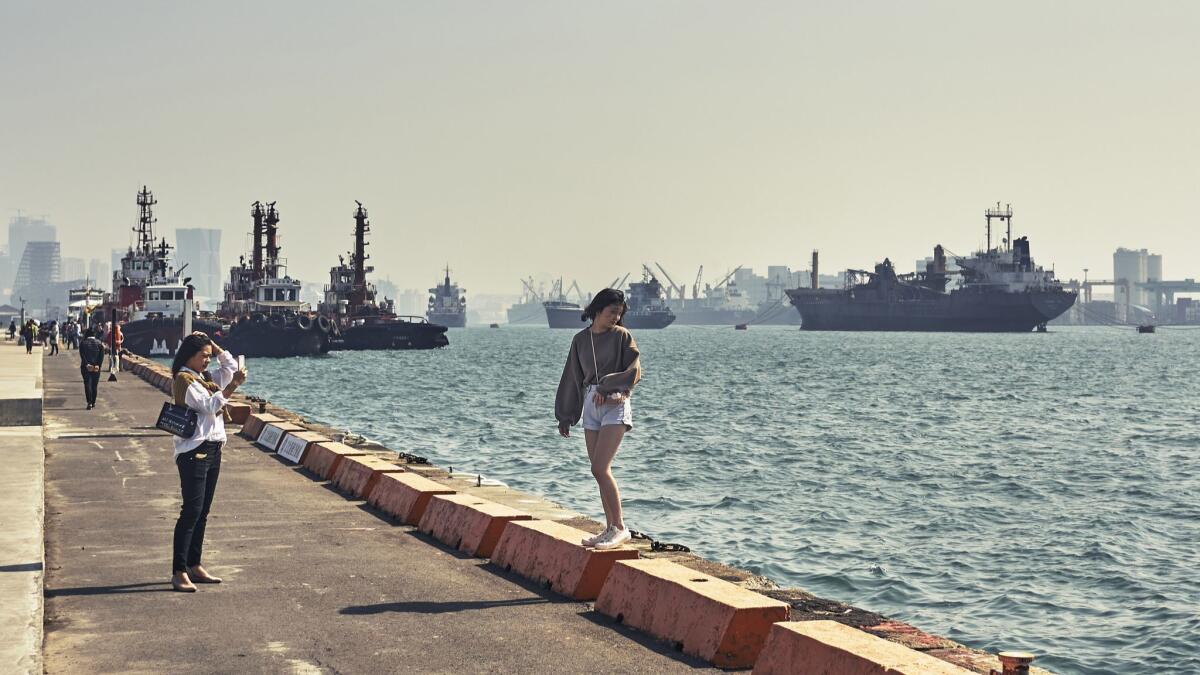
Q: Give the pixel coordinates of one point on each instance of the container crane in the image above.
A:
(696, 285)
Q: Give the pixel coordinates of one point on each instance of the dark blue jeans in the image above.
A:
(198, 472)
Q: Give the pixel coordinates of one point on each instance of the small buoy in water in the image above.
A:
(741, 326)
(493, 325)
(1146, 328)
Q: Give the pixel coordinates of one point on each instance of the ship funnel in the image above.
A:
(815, 277)
(939, 259)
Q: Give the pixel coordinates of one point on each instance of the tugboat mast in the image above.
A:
(358, 289)
(271, 225)
(256, 262)
(146, 220)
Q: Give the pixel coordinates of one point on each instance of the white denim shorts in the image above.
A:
(605, 414)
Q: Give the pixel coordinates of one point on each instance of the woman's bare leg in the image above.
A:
(592, 439)
(608, 441)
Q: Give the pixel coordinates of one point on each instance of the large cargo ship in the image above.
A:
(647, 305)
(561, 312)
(722, 305)
(527, 311)
(262, 301)
(1001, 290)
(447, 304)
(365, 323)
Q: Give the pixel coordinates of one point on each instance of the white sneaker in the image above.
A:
(614, 540)
(591, 541)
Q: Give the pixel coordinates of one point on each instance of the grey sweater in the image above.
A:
(618, 359)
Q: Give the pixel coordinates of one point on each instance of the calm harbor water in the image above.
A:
(1036, 491)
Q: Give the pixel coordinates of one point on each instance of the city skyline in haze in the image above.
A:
(581, 140)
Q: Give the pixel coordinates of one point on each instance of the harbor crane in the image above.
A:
(619, 284)
(728, 277)
(696, 285)
(679, 290)
(578, 292)
(528, 284)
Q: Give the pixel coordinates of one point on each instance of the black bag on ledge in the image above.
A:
(177, 419)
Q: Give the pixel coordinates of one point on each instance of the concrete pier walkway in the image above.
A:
(313, 582)
(21, 563)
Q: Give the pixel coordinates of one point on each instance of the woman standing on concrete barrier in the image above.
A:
(601, 370)
(199, 458)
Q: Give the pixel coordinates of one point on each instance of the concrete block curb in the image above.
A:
(254, 424)
(405, 496)
(324, 459)
(470, 524)
(796, 647)
(295, 444)
(715, 620)
(357, 476)
(272, 434)
(551, 553)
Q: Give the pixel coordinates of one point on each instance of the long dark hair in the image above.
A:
(606, 297)
(190, 346)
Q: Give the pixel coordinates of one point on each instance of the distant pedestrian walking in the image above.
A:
(12, 329)
(29, 334)
(91, 355)
(199, 458)
(52, 337)
(597, 381)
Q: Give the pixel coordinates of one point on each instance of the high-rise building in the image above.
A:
(117, 254)
(200, 250)
(99, 273)
(40, 267)
(22, 230)
(73, 268)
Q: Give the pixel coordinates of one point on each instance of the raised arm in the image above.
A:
(226, 366)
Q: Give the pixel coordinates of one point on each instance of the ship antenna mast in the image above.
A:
(146, 220)
(256, 262)
(271, 223)
(1004, 215)
(358, 292)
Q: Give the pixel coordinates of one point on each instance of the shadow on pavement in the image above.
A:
(420, 607)
(23, 567)
(145, 587)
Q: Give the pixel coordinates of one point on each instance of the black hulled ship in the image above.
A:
(364, 323)
(560, 311)
(1000, 290)
(448, 304)
(647, 305)
(262, 303)
(149, 297)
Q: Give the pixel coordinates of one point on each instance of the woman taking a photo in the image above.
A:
(601, 370)
(199, 457)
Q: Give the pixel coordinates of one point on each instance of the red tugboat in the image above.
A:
(262, 305)
(362, 322)
(148, 295)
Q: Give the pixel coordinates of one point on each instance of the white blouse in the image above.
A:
(210, 425)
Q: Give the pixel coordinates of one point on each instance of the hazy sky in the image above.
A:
(517, 138)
